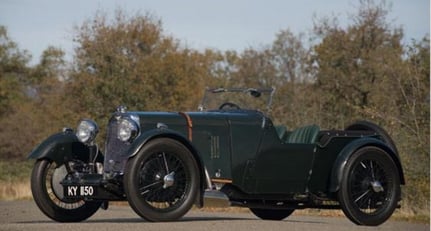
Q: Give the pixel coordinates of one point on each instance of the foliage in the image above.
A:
(356, 65)
(13, 71)
(15, 171)
(28, 97)
(364, 72)
(131, 62)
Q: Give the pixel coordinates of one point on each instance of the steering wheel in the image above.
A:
(229, 104)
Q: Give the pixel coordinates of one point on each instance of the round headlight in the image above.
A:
(128, 129)
(87, 131)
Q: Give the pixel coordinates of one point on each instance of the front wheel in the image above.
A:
(272, 214)
(370, 187)
(162, 181)
(48, 194)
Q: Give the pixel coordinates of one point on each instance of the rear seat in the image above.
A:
(303, 135)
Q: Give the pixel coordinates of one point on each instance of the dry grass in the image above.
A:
(10, 190)
(15, 180)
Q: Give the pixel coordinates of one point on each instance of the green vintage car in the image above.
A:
(228, 152)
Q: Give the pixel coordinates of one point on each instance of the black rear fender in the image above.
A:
(364, 125)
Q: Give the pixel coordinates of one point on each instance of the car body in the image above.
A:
(162, 163)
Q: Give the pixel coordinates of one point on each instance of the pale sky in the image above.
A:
(199, 24)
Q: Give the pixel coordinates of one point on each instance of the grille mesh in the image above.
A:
(115, 150)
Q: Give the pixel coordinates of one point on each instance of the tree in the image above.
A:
(13, 71)
(29, 97)
(281, 65)
(295, 101)
(131, 62)
(414, 88)
(290, 57)
(354, 64)
(364, 72)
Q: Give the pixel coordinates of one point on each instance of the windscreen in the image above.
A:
(237, 99)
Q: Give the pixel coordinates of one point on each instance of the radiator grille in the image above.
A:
(115, 150)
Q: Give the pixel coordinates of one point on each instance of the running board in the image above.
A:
(214, 198)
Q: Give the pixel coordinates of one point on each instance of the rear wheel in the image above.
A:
(48, 194)
(370, 187)
(162, 181)
(272, 214)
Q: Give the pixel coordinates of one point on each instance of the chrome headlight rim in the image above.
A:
(128, 129)
(86, 131)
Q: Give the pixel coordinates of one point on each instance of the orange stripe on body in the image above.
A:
(189, 124)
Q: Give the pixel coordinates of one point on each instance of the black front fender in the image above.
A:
(62, 147)
(344, 155)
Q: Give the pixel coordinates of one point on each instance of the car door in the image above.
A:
(246, 131)
(281, 167)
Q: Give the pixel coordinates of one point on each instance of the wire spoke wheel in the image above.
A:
(55, 174)
(370, 188)
(162, 181)
(368, 185)
(48, 194)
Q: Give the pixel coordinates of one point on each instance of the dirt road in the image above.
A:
(24, 215)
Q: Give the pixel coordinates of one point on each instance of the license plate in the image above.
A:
(79, 191)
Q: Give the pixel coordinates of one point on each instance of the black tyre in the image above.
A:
(162, 181)
(48, 194)
(272, 214)
(370, 187)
